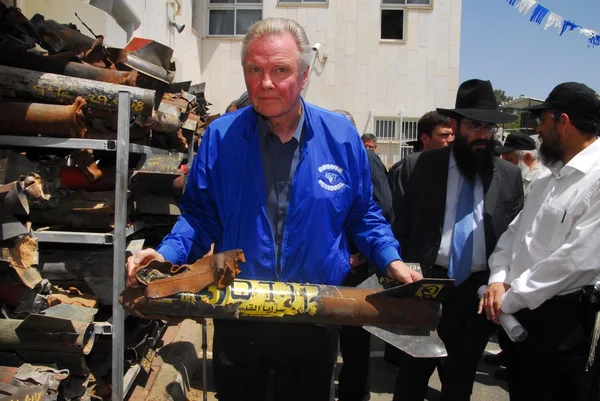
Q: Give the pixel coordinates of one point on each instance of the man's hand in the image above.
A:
(491, 301)
(138, 260)
(399, 271)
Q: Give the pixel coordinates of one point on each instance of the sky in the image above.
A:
(520, 57)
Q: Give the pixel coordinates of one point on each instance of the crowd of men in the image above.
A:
(294, 187)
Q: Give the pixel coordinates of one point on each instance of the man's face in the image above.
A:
(273, 75)
(370, 144)
(440, 138)
(473, 145)
(512, 157)
(551, 149)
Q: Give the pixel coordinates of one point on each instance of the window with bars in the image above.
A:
(396, 129)
(232, 17)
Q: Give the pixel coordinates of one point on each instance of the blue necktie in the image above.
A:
(461, 257)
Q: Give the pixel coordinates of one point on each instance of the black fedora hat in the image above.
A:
(475, 100)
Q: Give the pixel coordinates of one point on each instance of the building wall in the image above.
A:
(361, 74)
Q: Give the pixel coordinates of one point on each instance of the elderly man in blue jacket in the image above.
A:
(289, 184)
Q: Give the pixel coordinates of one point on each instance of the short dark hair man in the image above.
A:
(550, 252)
(434, 131)
(451, 206)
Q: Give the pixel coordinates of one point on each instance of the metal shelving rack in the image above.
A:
(121, 382)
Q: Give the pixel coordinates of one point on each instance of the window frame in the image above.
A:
(397, 128)
(237, 5)
(401, 7)
(406, 5)
(303, 3)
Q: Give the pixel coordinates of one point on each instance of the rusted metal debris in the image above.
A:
(31, 61)
(58, 38)
(148, 57)
(23, 259)
(60, 89)
(412, 306)
(13, 203)
(13, 199)
(47, 119)
(62, 328)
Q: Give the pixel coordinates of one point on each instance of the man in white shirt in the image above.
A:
(550, 252)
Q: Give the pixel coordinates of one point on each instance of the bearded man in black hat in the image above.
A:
(451, 206)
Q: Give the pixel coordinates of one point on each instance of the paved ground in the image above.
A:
(383, 375)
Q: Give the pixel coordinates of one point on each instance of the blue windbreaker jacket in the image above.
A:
(330, 200)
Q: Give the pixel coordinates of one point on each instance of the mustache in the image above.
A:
(480, 142)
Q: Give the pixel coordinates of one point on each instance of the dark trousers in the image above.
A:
(465, 335)
(301, 358)
(549, 364)
(355, 347)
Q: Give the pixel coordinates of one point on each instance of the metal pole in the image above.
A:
(118, 336)
(204, 364)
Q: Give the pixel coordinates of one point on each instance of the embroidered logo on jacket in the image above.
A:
(331, 177)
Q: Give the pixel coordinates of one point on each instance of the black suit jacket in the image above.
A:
(381, 190)
(419, 203)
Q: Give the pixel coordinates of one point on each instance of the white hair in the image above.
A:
(522, 153)
(279, 26)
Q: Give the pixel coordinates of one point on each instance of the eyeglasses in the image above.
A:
(475, 126)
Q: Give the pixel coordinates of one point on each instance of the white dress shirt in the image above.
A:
(551, 248)
(453, 187)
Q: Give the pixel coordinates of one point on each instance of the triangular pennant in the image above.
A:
(554, 20)
(538, 14)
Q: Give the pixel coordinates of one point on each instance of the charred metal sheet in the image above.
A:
(13, 199)
(85, 162)
(74, 362)
(31, 61)
(157, 183)
(57, 37)
(14, 165)
(61, 89)
(37, 376)
(177, 87)
(10, 227)
(17, 393)
(16, 26)
(47, 119)
(148, 57)
(62, 328)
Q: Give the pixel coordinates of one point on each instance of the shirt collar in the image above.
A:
(583, 161)
(263, 125)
